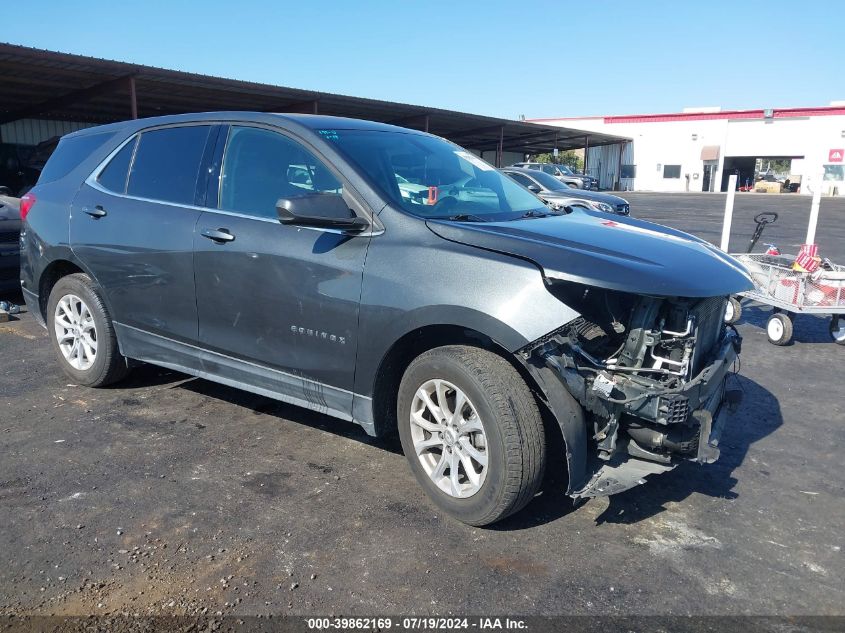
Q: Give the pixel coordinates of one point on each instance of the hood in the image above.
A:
(586, 194)
(615, 253)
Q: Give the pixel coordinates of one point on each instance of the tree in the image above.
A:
(567, 157)
(773, 166)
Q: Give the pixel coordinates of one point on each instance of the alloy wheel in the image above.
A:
(76, 332)
(449, 438)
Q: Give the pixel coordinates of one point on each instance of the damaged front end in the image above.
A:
(650, 374)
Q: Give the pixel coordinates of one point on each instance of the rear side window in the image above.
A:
(167, 164)
(69, 153)
(114, 176)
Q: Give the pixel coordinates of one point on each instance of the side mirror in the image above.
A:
(325, 210)
(534, 188)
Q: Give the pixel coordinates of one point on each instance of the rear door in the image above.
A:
(278, 304)
(132, 226)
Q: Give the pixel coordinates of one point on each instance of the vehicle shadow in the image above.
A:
(758, 416)
(262, 405)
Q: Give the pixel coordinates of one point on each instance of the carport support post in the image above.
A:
(133, 98)
(729, 213)
(814, 214)
(586, 152)
(500, 148)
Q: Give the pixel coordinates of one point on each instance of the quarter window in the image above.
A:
(69, 154)
(167, 164)
(261, 166)
(114, 176)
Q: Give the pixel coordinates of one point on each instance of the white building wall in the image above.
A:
(806, 139)
(661, 144)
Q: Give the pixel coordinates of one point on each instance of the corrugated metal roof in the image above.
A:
(36, 83)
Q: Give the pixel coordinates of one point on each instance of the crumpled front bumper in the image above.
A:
(708, 404)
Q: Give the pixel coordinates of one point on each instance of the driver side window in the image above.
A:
(522, 180)
(261, 166)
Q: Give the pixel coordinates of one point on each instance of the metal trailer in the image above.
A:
(777, 284)
(792, 292)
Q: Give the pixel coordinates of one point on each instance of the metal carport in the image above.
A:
(39, 84)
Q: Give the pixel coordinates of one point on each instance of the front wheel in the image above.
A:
(472, 433)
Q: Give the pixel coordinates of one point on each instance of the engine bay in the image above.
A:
(644, 368)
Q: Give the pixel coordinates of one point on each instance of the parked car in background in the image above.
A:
(589, 181)
(10, 228)
(20, 165)
(558, 195)
(390, 278)
(562, 173)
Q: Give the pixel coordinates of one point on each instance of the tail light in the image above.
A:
(26, 205)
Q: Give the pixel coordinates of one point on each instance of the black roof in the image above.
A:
(35, 83)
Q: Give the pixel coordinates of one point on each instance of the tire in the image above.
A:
(837, 329)
(499, 421)
(779, 329)
(94, 365)
(733, 311)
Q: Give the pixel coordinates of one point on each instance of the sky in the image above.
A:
(538, 59)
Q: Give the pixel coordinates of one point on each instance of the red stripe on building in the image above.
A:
(783, 113)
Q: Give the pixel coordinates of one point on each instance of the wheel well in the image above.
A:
(407, 348)
(55, 270)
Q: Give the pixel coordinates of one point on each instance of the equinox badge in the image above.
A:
(327, 336)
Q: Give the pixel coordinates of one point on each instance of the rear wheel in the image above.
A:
(779, 329)
(837, 329)
(82, 334)
(472, 433)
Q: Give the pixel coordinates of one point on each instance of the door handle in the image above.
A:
(96, 212)
(219, 236)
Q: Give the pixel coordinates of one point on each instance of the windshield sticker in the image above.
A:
(329, 135)
(474, 160)
(639, 229)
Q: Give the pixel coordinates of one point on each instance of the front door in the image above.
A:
(132, 225)
(707, 180)
(278, 304)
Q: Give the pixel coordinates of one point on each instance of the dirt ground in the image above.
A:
(170, 495)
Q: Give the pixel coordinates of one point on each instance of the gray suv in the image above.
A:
(389, 278)
(562, 173)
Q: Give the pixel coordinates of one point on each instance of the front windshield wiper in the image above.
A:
(467, 217)
(534, 214)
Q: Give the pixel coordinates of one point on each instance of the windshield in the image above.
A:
(548, 181)
(432, 178)
(566, 170)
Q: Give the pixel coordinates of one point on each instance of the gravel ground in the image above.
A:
(168, 495)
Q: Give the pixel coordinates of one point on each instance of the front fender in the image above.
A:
(425, 280)
(570, 417)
